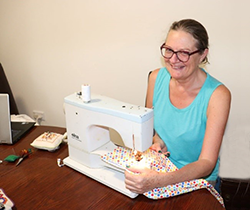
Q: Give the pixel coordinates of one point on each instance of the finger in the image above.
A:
(130, 185)
(155, 147)
(133, 170)
(164, 149)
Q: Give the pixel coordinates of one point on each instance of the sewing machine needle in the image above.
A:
(133, 142)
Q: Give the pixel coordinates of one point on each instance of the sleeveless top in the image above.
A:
(182, 130)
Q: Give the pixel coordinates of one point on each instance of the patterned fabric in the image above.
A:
(123, 157)
(5, 202)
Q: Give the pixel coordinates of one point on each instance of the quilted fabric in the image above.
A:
(123, 157)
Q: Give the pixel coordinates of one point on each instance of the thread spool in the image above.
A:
(86, 93)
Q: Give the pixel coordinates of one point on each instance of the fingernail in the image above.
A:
(160, 151)
(127, 166)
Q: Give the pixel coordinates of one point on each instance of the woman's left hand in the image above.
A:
(140, 180)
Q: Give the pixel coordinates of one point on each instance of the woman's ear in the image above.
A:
(204, 55)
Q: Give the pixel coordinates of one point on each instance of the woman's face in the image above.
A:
(182, 41)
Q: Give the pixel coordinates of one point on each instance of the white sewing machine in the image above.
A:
(89, 137)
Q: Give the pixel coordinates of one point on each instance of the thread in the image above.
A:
(86, 93)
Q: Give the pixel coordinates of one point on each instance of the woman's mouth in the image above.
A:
(177, 68)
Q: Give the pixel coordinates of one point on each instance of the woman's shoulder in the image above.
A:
(220, 100)
(220, 88)
(153, 74)
(222, 91)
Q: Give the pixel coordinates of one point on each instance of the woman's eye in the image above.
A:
(168, 50)
(184, 52)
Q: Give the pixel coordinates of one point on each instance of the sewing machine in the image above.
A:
(88, 130)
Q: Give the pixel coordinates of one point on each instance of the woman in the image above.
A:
(191, 110)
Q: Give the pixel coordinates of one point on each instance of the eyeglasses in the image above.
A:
(182, 55)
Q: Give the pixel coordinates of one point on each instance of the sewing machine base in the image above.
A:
(108, 176)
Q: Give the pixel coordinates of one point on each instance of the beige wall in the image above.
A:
(50, 47)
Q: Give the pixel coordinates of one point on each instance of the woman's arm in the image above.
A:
(150, 90)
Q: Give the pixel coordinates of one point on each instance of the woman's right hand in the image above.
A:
(159, 145)
(156, 147)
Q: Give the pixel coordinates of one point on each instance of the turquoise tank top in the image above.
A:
(182, 130)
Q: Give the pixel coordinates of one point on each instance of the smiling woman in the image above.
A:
(191, 109)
